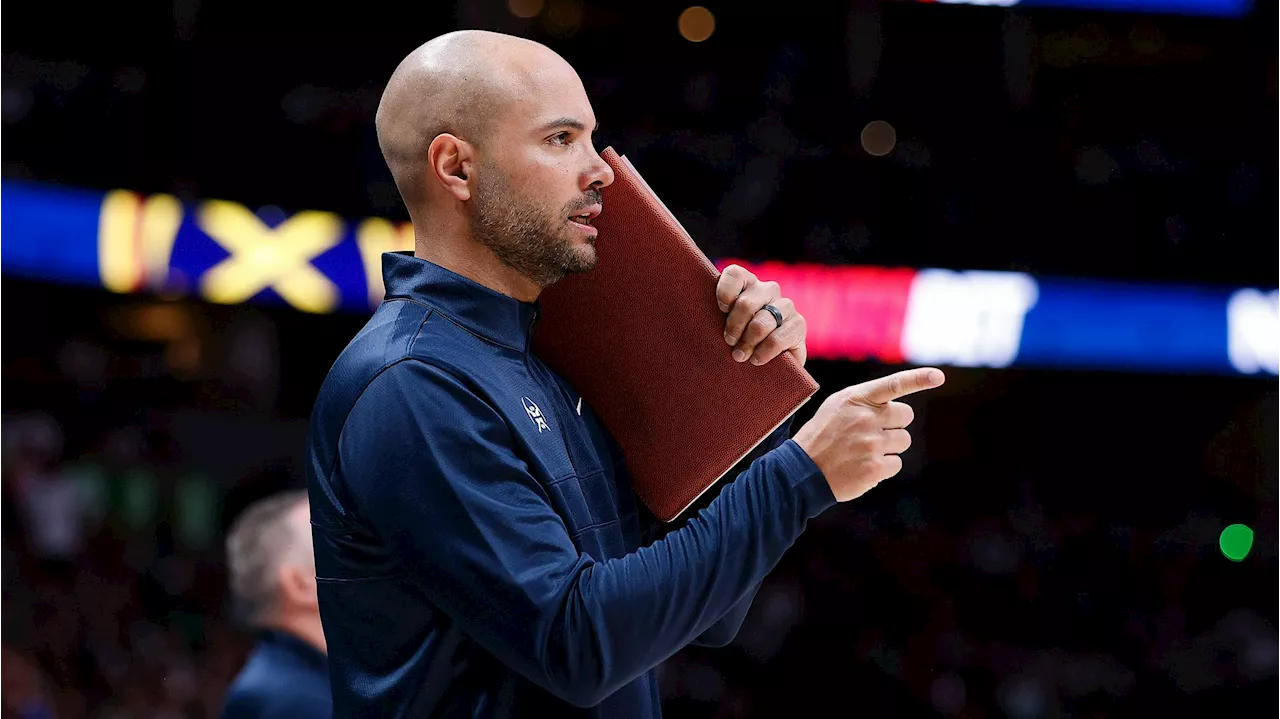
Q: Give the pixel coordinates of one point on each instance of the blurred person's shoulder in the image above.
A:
(275, 684)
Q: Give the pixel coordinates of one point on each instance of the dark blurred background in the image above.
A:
(1053, 548)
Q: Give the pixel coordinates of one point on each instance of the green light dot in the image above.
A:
(1235, 542)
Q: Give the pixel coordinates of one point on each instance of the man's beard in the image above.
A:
(525, 237)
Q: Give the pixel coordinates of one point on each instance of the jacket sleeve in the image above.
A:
(433, 469)
(726, 628)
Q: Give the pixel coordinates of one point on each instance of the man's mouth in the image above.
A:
(587, 216)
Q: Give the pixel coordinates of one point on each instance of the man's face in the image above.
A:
(538, 180)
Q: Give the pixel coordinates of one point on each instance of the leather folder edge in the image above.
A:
(711, 268)
(715, 273)
(735, 462)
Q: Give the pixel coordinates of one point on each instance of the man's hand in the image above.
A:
(857, 434)
(751, 330)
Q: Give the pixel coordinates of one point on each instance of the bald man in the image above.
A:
(475, 558)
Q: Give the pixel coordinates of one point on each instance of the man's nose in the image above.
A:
(600, 176)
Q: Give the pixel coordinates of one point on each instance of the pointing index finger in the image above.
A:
(899, 384)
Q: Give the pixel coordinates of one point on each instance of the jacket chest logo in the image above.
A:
(535, 414)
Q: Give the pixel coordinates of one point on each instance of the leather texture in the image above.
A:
(640, 337)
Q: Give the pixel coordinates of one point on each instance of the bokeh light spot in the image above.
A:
(1235, 542)
(563, 17)
(878, 138)
(696, 24)
(525, 8)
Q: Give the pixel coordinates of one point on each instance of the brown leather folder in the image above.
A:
(641, 338)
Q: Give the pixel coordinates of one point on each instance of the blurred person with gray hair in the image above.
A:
(273, 580)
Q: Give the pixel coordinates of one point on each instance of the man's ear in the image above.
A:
(451, 159)
(297, 586)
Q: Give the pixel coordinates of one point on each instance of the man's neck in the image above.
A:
(480, 266)
(307, 628)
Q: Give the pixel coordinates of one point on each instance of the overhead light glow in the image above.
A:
(525, 8)
(697, 24)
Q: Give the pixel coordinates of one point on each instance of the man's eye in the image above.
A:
(560, 138)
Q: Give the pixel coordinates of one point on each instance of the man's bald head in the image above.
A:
(459, 83)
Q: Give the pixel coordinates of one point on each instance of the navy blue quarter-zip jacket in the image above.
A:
(478, 547)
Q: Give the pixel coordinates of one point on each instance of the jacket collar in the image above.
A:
(485, 312)
(295, 646)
